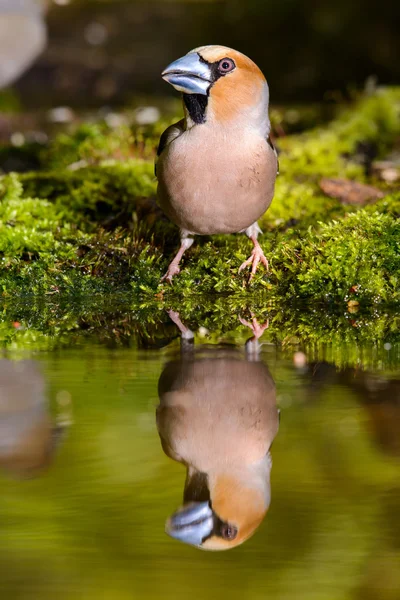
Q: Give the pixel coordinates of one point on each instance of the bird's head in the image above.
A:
(220, 85)
(222, 511)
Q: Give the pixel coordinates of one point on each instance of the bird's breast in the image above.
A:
(216, 182)
(217, 411)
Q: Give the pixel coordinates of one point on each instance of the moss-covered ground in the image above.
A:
(84, 230)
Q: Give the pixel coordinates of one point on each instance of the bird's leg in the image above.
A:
(185, 331)
(253, 345)
(173, 268)
(255, 326)
(256, 257)
(187, 336)
(257, 254)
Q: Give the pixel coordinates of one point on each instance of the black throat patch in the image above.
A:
(196, 488)
(196, 105)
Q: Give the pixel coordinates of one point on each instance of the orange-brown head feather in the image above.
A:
(236, 92)
(243, 504)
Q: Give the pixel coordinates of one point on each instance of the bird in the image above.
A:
(216, 168)
(218, 416)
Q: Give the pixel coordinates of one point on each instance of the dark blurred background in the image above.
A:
(109, 51)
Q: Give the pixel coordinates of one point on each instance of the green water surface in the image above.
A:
(86, 518)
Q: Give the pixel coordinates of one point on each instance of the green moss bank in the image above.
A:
(87, 224)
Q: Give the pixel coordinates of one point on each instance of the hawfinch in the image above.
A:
(216, 168)
(218, 416)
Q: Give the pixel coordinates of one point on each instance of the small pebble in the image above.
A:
(63, 398)
(61, 114)
(17, 139)
(96, 34)
(299, 360)
(146, 115)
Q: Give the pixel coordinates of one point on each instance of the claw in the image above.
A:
(256, 328)
(256, 257)
(172, 271)
(173, 268)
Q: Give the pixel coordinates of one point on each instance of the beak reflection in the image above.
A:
(192, 523)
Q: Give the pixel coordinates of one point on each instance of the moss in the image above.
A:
(89, 144)
(9, 101)
(44, 250)
(357, 257)
(85, 231)
(331, 151)
(114, 320)
(27, 225)
(94, 194)
(388, 205)
(96, 143)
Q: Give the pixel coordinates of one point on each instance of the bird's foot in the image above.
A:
(256, 257)
(253, 346)
(185, 331)
(173, 270)
(255, 326)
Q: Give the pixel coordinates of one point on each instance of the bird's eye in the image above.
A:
(226, 65)
(228, 532)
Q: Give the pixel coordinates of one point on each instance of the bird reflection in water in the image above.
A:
(218, 416)
(28, 435)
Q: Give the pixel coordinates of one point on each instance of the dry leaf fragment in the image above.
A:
(350, 192)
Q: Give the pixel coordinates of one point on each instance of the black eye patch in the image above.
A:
(221, 529)
(196, 104)
(219, 68)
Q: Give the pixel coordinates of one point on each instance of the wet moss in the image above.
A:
(364, 338)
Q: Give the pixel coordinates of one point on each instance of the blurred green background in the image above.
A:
(106, 51)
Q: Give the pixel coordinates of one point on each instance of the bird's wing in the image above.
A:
(274, 151)
(170, 134)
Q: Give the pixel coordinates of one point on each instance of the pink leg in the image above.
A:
(174, 316)
(256, 328)
(253, 346)
(173, 268)
(256, 257)
(186, 333)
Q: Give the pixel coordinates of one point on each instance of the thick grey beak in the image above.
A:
(188, 74)
(192, 523)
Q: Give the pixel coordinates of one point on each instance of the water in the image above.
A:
(87, 488)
